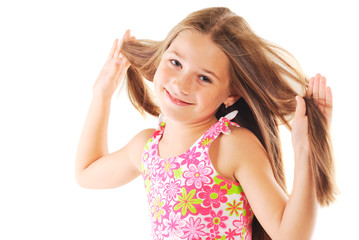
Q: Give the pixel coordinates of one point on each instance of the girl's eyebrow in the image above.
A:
(176, 53)
(210, 72)
(203, 69)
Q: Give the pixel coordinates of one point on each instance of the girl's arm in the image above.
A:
(95, 167)
(282, 217)
(303, 194)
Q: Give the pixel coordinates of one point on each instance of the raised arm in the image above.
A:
(95, 167)
(300, 211)
(283, 217)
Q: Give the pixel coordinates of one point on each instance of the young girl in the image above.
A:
(213, 167)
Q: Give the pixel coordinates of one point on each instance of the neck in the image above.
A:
(179, 136)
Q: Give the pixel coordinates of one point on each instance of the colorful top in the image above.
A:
(187, 198)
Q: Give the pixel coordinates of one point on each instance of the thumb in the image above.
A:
(124, 65)
(300, 110)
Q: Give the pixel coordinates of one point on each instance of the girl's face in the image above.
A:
(192, 79)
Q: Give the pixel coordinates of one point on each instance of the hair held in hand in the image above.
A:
(267, 77)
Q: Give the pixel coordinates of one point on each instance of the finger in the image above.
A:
(125, 37)
(300, 110)
(322, 93)
(310, 87)
(329, 97)
(113, 68)
(117, 52)
(113, 49)
(122, 71)
(329, 104)
(322, 87)
(316, 88)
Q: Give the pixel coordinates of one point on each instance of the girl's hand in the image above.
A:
(113, 71)
(322, 96)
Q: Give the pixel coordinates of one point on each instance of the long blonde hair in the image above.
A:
(267, 77)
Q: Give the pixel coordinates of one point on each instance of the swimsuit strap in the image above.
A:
(222, 126)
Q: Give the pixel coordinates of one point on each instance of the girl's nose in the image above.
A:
(183, 85)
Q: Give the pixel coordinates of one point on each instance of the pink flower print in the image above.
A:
(145, 157)
(162, 126)
(216, 220)
(226, 181)
(148, 185)
(198, 175)
(240, 224)
(157, 208)
(212, 131)
(190, 156)
(213, 235)
(159, 232)
(192, 230)
(242, 229)
(167, 166)
(157, 184)
(156, 133)
(231, 234)
(154, 149)
(152, 167)
(214, 195)
(172, 189)
(245, 201)
(234, 208)
(174, 225)
(248, 232)
(247, 216)
(224, 126)
(153, 230)
(186, 202)
(206, 157)
(247, 211)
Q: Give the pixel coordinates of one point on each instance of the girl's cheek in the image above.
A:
(157, 75)
(161, 75)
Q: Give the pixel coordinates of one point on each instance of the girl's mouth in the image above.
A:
(177, 101)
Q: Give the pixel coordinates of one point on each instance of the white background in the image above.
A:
(50, 55)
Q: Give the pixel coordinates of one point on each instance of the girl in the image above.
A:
(213, 75)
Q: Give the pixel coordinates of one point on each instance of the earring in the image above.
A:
(226, 105)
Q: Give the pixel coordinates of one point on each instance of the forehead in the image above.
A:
(200, 52)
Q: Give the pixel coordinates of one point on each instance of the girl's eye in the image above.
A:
(175, 63)
(205, 79)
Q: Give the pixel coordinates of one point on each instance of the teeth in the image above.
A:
(176, 99)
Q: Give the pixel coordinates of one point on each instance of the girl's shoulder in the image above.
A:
(138, 142)
(137, 145)
(241, 138)
(240, 147)
(143, 136)
(240, 141)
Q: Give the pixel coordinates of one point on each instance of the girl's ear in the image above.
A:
(231, 99)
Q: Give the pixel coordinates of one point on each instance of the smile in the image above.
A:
(177, 101)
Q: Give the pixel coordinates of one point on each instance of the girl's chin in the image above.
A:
(176, 114)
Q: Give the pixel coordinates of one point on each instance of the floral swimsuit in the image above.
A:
(187, 198)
